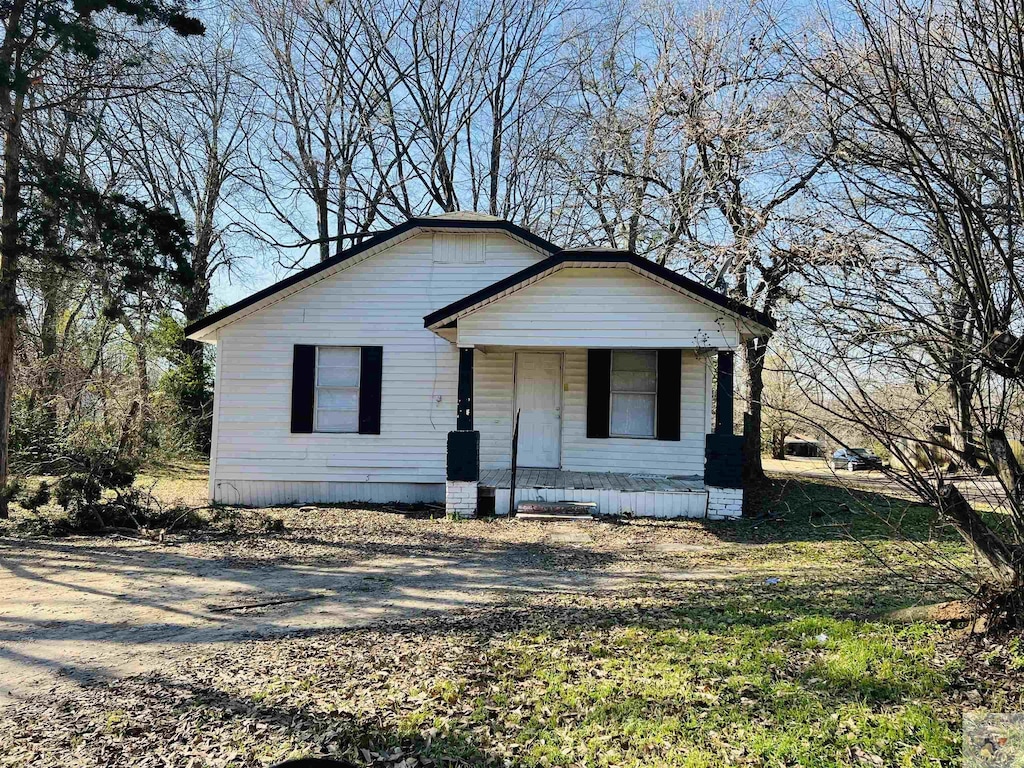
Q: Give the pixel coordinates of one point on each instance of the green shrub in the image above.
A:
(98, 491)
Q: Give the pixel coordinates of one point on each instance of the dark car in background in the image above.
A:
(852, 459)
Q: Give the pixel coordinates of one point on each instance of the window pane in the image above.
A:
(633, 415)
(337, 398)
(337, 421)
(339, 357)
(634, 381)
(338, 377)
(338, 366)
(634, 360)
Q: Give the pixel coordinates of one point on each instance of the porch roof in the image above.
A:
(754, 321)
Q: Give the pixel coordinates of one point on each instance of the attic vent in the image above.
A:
(459, 249)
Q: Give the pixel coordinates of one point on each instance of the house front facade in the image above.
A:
(424, 363)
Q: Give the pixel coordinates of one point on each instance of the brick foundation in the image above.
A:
(725, 503)
(460, 498)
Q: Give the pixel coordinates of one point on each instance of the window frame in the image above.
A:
(612, 392)
(317, 387)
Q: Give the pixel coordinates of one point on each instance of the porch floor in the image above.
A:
(614, 481)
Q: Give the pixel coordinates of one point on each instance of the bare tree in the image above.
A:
(521, 58)
(632, 169)
(382, 111)
(751, 121)
(315, 69)
(700, 153)
(185, 145)
(926, 304)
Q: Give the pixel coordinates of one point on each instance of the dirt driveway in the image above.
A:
(79, 609)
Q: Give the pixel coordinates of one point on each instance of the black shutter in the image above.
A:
(599, 387)
(669, 365)
(370, 367)
(303, 379)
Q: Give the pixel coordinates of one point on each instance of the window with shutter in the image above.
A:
(634, 393)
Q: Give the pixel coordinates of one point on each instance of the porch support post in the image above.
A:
(464, 416)
(723, 451)
(462, 477)
(724, 394)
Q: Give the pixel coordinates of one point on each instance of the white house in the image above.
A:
(396, 370)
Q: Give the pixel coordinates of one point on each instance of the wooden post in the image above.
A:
(723, 396)
(464, 415)
(515, 452)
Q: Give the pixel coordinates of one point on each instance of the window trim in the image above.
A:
(612, 392)
(317, 387)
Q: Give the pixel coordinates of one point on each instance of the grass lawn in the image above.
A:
(764, 644)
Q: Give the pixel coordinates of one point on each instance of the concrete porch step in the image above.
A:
(556, 510)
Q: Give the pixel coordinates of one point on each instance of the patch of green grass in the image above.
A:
(817, 511)
(787, 671)
(722, 687)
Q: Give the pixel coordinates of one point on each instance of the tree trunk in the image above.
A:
(778, 444)
(48, 342)
(144, 415)
(12, 104)
(961, 418)
(53, 242)
(494, 170)
(195, 402)
(1010, 475)
(196, 300)
(753, 358)
(323, 224)
(1000, 557)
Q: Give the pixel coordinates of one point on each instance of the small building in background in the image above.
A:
(804, 447)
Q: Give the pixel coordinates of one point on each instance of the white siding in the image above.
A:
(619, 454)
(666, 504)
(379, 301)
(599, 307)
(493, 392)
(492, 401)
(266, 493)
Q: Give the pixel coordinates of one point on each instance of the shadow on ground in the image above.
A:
(464, 688)
(81, 609)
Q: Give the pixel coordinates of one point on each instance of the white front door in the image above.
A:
(539, 403)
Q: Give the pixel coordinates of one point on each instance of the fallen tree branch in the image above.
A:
(264, 604)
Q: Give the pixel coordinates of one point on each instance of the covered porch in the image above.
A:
(592, 375)
(551, 413)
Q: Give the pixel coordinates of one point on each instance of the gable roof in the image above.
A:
(460, 220)
(447, 316)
